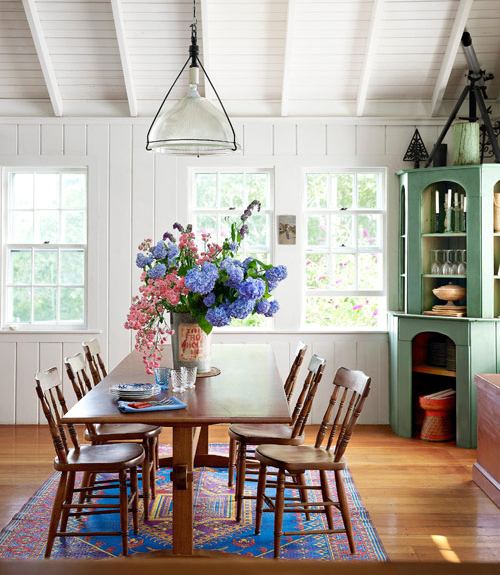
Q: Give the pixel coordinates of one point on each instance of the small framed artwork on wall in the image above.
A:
(287, 230)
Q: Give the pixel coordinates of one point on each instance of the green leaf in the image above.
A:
(204, 324)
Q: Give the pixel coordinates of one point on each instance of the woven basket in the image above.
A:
(439, 421)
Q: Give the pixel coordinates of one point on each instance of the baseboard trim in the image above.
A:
(487, 483)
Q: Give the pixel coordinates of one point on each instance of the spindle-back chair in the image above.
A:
(93, 355)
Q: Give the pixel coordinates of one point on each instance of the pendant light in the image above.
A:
(193, 126)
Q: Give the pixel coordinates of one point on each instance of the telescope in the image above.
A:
(476, 91)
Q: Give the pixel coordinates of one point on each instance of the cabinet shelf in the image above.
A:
(449, 276)
(445, 235)
(433, 370)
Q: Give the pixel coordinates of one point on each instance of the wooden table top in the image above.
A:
(249, 389)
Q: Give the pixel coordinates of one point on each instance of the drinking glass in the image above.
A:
(162, 377)
(462, 266)
(436, 266)
(447, 266)
(454, 260)
(191, 373)
(178, 377)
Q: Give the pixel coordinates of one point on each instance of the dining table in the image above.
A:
(248, 389)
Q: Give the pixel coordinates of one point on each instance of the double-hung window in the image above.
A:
(219, 197)
(344, 255)
(44, 247)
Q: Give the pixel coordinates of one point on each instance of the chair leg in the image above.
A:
(68, 498)
(344, 509)
(84, 483)
(152, 467)
(300, 478)
(261, 490)
(325, 493)
(231, 461)
(278, 512)
(157, 452)
(145, 480)
(135, 493)
(124, 511)
(241, 468)
(56, 513)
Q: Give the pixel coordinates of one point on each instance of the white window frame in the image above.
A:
(328, 211)
(60, 325)
(270, 211)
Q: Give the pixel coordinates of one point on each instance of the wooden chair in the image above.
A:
(95, 362)
(119, 459)
(103, 433)
(289, 387)
(350, 390)
(246, 435)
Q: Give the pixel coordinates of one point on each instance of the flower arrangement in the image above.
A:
(209, 283)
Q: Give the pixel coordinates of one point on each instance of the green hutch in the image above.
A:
(426, 241)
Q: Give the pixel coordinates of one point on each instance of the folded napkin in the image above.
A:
(126, 406)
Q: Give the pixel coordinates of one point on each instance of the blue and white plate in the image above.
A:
(135, 390)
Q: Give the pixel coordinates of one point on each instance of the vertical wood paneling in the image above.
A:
(368, 360)
(326, 350)
(69, 349)
(165, 201)
(8, 139)
(52, 140)
(382, 390)
(28, 140)
(370, 140)
(26, 398)
(341, 140)
(398, 139)
(75, 139)
(50, 356)
(8, 383)
(311, 138)
(259, 139)
(285, 139)
(120, 254)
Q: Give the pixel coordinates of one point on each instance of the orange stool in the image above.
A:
(439, 421)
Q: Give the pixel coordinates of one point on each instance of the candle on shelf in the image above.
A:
(456, 200)
(448, 199)
(465, 205)
(437, 202)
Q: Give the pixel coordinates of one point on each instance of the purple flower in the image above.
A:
(217, 316)
(273, 308)
(276, 274)
(241, 308)
(209, 299)
(252, 288)
(168, 236)
(157, 272)
(159, 251)
(262, 306)
(142, 260)
(179, 227)
(243, 230)
(202, 279)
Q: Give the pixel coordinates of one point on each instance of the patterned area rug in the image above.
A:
(214, 528)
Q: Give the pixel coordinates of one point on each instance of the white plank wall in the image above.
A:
(135, 194)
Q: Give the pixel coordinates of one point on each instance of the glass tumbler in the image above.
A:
(436, 266)
(162, 377)
(191, 373)
(178, 377)
(447, 266)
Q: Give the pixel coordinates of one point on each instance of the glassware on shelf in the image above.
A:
(462, 265)
(436, 265)
(454, 262)
(447, 266)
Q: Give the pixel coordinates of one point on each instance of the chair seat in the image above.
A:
(297, 458)
(122, 432)
(102, 458)
(264, 433)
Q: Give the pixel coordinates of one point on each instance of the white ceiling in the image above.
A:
(265, 57)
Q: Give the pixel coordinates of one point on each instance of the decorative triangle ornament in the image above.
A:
(416, 151)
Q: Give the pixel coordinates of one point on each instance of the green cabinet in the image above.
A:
(425, 245)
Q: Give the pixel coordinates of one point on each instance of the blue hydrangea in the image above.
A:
(218, 316)
(158, 271)
(209, 299)
(273, 308)
(262, 306)
(230, 263)
(252, 288)
(202, 279)
(236, 276)
(172, 253)
(241, 308)
(142, 260)
(276, 274)
(233, 246)
(159, 251)
(247, 262)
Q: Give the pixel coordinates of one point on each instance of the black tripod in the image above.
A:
(476, 92)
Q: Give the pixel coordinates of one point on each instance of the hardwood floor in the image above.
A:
(419, 495)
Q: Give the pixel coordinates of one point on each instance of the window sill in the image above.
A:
(6, 330)
(319, 330)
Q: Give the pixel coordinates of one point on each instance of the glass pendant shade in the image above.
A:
(193, 126)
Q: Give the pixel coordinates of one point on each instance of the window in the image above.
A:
(44, 247)
(219, 196)
(345, 229)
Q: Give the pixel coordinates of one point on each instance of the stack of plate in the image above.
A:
(133, 391)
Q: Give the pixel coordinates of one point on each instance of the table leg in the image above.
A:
(202, 456)
(182, 485)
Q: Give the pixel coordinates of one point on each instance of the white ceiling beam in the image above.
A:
(43, 54)
(371, 46)
(205, 38)
(287, 57)
(121, 38)
(450, 54)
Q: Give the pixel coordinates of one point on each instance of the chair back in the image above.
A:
(77, 374)
(291, 380)
(50, 393)
(350, 390)
(92, 351)
(305, 400)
